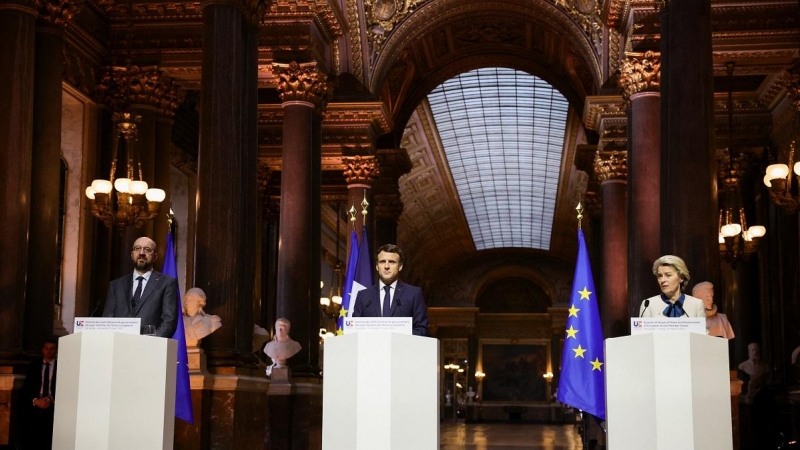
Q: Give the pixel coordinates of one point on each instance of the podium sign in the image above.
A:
(130, 325)
(401, 325)
(642, 325)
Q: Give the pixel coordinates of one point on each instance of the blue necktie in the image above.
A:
(387, 301)
(137, 295)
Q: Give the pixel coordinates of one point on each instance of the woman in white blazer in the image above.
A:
(673, 277)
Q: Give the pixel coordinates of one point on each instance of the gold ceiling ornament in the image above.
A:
(736, 240)
(136, 201)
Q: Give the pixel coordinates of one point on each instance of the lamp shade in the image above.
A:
(102, 186)
(797, 168)
(90, 192)
(155, 195)
(731, 229)
(757, 231)
(777, 171)
(337, 299)
(122, 185)
(721, 239)
(325, 301)
(137, 187)
(767, 181)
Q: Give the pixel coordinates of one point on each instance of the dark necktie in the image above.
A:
(137, 295)
(46, 381)
(387, 301)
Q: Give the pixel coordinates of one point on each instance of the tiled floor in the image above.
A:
(503, 436)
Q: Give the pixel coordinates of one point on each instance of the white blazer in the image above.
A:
(693, 306)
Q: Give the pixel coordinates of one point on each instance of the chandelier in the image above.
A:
(135, 203)
(736, 240)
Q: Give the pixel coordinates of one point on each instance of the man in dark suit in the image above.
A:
(404, 300)
(40, 394)
(146, 293)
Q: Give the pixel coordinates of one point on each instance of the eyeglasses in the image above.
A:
(139, 248)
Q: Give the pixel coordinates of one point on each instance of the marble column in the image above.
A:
(43, 253)
(640, 80)
(227, 195)
(302, 88)
(688, 157)
(610, 169)
(360, 174)
(17, 33)
(388, 208)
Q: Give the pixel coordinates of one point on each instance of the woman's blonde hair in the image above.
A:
(678, 264)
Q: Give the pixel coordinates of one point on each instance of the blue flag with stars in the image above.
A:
(582, 374)
(348, 302)
(183, 389)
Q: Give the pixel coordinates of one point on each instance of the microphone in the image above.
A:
(646, 304)
(680, 308)
(95, 309)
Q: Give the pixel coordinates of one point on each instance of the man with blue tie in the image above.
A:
(390, 297)
(40, 393)
(146, 293)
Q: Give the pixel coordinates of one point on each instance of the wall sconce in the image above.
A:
(779, 181)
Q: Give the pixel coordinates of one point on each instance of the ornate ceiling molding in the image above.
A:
(302, 82)
(640, 72)
(121, 87)
(601, 107)
(325, 14)
(611, 165)
(360, 169)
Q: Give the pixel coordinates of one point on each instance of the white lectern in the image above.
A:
(380, 392)
(668, 391)
(115, 391)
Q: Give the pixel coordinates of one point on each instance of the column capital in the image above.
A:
(611, 165)
(791, 82)
(360, 169)
(303, 82)
(120, 87)
(58, 13)
(640, 72)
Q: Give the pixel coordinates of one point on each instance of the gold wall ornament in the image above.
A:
(136, 202)
(59, 12)
(640, 72)
(302, 82)
(791, 82)
(611, 165)
(360, 169)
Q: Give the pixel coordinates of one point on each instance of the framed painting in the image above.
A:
(514, 371)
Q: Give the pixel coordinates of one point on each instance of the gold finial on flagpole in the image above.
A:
(364, 206)
(579, 209)
(352, 212)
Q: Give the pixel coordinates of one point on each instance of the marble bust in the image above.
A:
(757, 369)
(716, 322)
(281, 347)
(196, 323)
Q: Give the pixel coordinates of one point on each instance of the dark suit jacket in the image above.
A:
(158, 305)
(407, 302)
(38, 423)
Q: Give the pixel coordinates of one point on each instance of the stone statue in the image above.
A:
(470, 395)
(196, 323)
(757, 369)
(716, 323)
(281, 347)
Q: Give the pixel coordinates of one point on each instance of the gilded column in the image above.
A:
(360, 173)
(688, 155)
(610, 168)
(302, 88)
(641, 81)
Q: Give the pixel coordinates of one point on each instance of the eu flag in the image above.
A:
(348, 302)
(582, 379)
(183, 390)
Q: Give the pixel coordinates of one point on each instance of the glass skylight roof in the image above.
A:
(503, 132)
